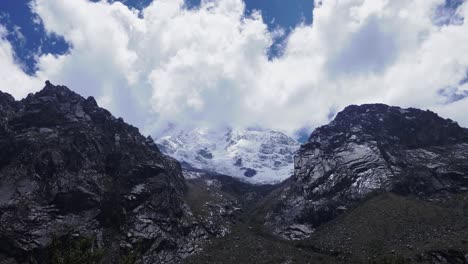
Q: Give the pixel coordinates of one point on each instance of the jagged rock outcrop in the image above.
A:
(367, 150)
(70, 170)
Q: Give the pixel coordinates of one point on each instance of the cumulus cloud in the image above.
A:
(209, 66)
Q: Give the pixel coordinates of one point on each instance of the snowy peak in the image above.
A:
(256, 156)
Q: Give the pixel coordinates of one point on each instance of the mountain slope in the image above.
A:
(73, 178)
(367, 150)
(255, 156)
(395, 227)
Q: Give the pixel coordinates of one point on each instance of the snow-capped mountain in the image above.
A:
(256, 156)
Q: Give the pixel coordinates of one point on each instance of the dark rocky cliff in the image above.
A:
(365, 151)
(70, 171)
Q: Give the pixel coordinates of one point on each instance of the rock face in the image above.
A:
(366, 150)
(70, 170)
(255, 156)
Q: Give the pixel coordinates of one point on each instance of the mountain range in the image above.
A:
(379, 184)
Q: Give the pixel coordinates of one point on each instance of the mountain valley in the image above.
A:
(379, 184)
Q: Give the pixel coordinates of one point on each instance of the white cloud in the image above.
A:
(14, 80)
(208, 66)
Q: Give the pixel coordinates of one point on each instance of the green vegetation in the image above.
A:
(79, 251)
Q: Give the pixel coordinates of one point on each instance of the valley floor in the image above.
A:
(387, 228)
(244, 245)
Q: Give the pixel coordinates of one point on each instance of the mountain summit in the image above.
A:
(252, 155)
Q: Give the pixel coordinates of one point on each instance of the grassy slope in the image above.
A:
(390, 225)
(385, 229)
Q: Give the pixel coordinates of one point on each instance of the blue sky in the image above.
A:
(27, 35)
(29, 38)
(216, 63)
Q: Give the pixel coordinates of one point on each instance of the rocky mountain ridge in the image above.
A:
(71, 172)
(367, 150)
